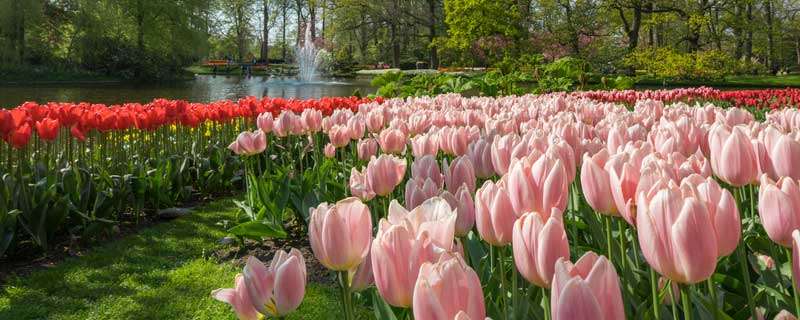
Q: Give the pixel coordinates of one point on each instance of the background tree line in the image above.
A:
(158, 38)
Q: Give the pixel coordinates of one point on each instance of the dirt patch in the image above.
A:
(264, 250)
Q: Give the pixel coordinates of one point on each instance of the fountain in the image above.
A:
(308, 58)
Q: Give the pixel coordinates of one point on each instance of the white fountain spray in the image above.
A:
(307, 57)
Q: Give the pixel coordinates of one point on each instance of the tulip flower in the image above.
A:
(465, 208)
(384, 173)
(446, 288)
(426, 167)
(596, 185)
(340, 235)
(359, 186)
(367, 148)
(480, 153)
(537, 185)
(279, 289)
(537, 245)
(264, 122)
(392, 141)
(460, 172)
(733, 158)
(675, 238)
(239, 298)
(494, 215)
(425, 144)
(588, 289)
(396, 258)
(418, 190)
(339, 136)
(779, 208)
(329, 151)
(311, 119)
(362, 278)
(796, 258)
(501, 152)
(785, 156)
(48, 129)
(249, 143)
(434, 217)
(721, 208)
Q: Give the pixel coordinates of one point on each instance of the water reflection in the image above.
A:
(202, 89)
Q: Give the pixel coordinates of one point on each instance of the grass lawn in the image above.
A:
(159, 273)
(778, 81)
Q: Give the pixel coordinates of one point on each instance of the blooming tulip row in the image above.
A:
(79, 168)
(467, 208)
(769, 99)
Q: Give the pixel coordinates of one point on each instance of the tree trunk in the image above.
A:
(283, 30)
(312, 18)
(20, 30)
(770, 38)
(432, 36)
(395, 46)
(140, 25)
(738, 50)
(797, 50)
(265, 31)
(633, 33)
(748, 42)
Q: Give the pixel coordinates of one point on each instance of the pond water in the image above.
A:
(204, 88)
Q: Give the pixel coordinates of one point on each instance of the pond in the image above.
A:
(204, 88)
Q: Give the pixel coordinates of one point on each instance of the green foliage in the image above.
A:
(668, 64)
(160, 273)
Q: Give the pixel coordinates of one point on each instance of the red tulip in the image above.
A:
(48, 129)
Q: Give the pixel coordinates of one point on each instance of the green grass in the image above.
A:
(159, 273)
(733, 82)
(776, 81)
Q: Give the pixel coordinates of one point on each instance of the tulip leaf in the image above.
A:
(257, 230)
(382, 309)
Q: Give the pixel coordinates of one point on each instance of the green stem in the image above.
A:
(712, 292)
(752, 203)
(344, 283)
(546, 304)
(514, 288)
(608, 237)
(621, 224)
(687, 311)
(654, 293)
(674, 303)
(794, 286)
(503, 288)
(747, 283)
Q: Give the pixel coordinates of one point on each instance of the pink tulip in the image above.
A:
(446, 288)
(460, 172)
(785, 155)
(279, 289)
(480, 153)
(589, 289)
(426, 167)
(537, 245)
(356, 126)
(675, 238)
(312, 120)
(249, 143)
(501, 152)
(733, 158)
(722, 210)
(596, 185)
(329, 151)
(397, 254)
(339, 136)
(285, 124)
(340, 235)
(624, 180)
(419, 190)
(433, 217)
(367, 148)
(784, 315)
(264, 122)
(238, 298)
(362, 278)
(494, 215)
(425, 144)
(765, 261)
(375, 121)
(359, 186)
(779, 208)
(384, 173)
(465, 208)
(392, 141)
(537, 185)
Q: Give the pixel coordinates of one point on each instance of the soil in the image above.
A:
(264, 250)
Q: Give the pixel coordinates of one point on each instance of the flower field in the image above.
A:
(668, 204)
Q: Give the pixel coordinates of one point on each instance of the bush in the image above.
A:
(668, 64)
